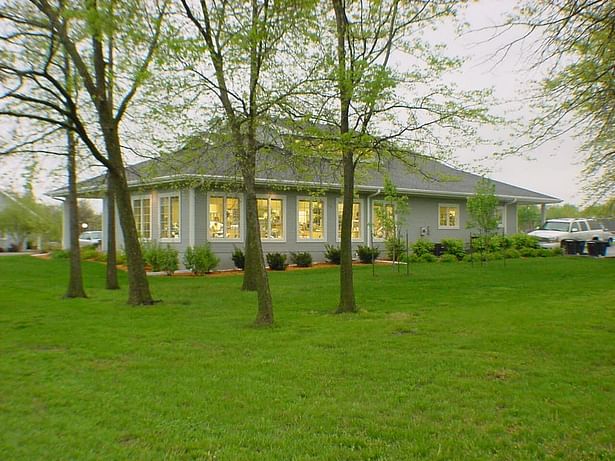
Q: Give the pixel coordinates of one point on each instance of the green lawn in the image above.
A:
(512, 360)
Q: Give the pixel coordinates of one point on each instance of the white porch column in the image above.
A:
(65, 226)
(543, 213)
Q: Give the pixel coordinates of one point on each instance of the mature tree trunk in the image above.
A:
(111, 282)
(250, 271)
(254, 248)
(347, 300)
(75, 280)
(138, 286)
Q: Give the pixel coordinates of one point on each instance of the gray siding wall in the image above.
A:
(422, 220)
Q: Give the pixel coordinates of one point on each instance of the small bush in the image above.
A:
(428, 258)
(91, 253)
(60, 254)
(511, 253)
(448, 258)
(395, 248)
(160, 258)
(454, 247)
(527, 252)
(501, 242)
(276, 261)
(520, 241)
(302, 259)
(411, 258)
(421, 247)
(239, 259)
(367, 254)
(200, 259)
(332, 254)
(556, 251)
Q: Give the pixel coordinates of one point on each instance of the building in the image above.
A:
(194, 197)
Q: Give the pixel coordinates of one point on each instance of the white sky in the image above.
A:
(554, 168)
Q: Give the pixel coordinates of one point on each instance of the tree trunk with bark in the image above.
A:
(111, 281)
(75, 280)
(347, 299)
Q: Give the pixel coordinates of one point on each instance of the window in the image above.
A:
(271, 218)
(169, 217)
(142, 210)
(383, 220)
(448, 216)
(224, 217)
(356, 220)
(583, 226)
(310, 219)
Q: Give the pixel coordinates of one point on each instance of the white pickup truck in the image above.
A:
(554, 231)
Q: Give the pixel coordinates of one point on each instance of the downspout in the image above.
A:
(369, 217)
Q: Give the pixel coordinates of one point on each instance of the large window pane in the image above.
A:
(356, 220)
(175, 217)
(224, 217)
(277, 219)
(232, 218)
(262, 206)
(317, 220)
(146, 208)
(303, 219)
(165, 218)
(216, 217)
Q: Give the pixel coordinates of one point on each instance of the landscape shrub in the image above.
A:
(276, 261)
(367, 254)
(428, 258)
(332, 254)
(556, 251)
(520, 241)
(395, 248)
(91, 253)
(301, 259)
(501, 242)
(448, 258)
(165, 259)
(421, 247)
(527, 252)
(120, 257)
(200, 259)
(60, 254)
(239, 259)
(511, 253)
(411, 258)
(454, 247)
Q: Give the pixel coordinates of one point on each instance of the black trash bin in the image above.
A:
(597, 248)
(438, 249)
(569, 246)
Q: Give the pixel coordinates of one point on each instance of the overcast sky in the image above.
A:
(554, 168)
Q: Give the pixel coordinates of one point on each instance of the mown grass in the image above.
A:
(512, 360)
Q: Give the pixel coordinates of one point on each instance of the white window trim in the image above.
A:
(338, 219)
(324, 217)
(449, 205)
(151, 210)
(284, 214)
(373, 215)
(242, 214)
(160, 197)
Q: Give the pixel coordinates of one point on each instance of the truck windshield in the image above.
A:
(556, 226)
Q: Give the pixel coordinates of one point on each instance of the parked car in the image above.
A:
(554, 231)
(90, 238)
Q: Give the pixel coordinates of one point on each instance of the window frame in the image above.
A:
(324, 218)
(169, 195)
(338, 219)
(270, 197)
(457, 226)
(373, 218)
(242, 214)
(141, 197)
